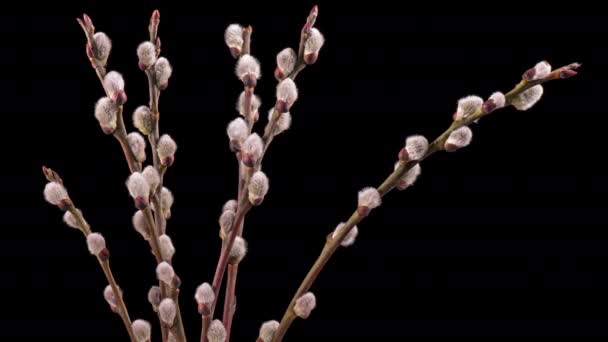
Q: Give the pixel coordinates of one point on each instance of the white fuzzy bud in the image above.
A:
(96, 243)
(233, 36)
(165, 272)
(166, 200)
(140, 224)
(252, 149)
(350, 238)
(162, 72)
(287, 94)
(409, 178)
(71, 220)
(258, 187)
(226, 221)
(528, 98)
(254, 105)
(238, 251)
(496, 101)
(230, 205)
(283, 123)
(154, 296)
(267, 330)
(138, 146)
(314, 42)
(248, 70)
(166, 247)
(142, 330)
(467, 106)
(304, 305)
(103, 47)
(286, 61)
(204, 294)
(540, 71)
(142, 120)
(217, 332)
(167, 311)
(110, 297)
(146, 52)
(237, 130)
(114, 84)
(106, 112)
(459, 138)
(166, 148)
(416, 147)
(139, 189)
(369, 198)
(151, 176)
(55, 194)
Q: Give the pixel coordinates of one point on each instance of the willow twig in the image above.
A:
(84, 227)
(332, 244)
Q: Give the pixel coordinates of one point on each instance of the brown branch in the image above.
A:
(437, 145)
(230, 298)
(122, 311)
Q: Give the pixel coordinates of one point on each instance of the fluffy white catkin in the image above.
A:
(304, 305)
(459, 138)
(55, 193)
(267, 330)
(416, 147)
(142, 119)
(138, 146)
(167, 311)
(166, 247)
(166, 149)
(146, 53)
(258, 187)
(238, 251)
(204, 294)
(96, 243)
(103, 47)
(233, 36)
(106, 113)
(369, 197)
(467, 106)
(217, 331)
(140, 224)
(350, 238)
(165, 272)
(142, 330)
(528, 98)
(151, 176)
(162, 72)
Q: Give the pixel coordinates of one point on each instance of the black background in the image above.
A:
(503, 238)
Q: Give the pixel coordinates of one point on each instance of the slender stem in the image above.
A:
(181, 334)
(122, 308)
(247, 40)
(121, 135)
(206, 322)
(230, 299)
(105, 266)
(223, 260)
(153, 235)
(437, 145)
(245, 174)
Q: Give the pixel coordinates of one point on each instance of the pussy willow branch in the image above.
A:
(153, 137)
(122, 311)
(332, 244)
(154, 223)
(120, 133)
(230, 295)
(244, 178)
